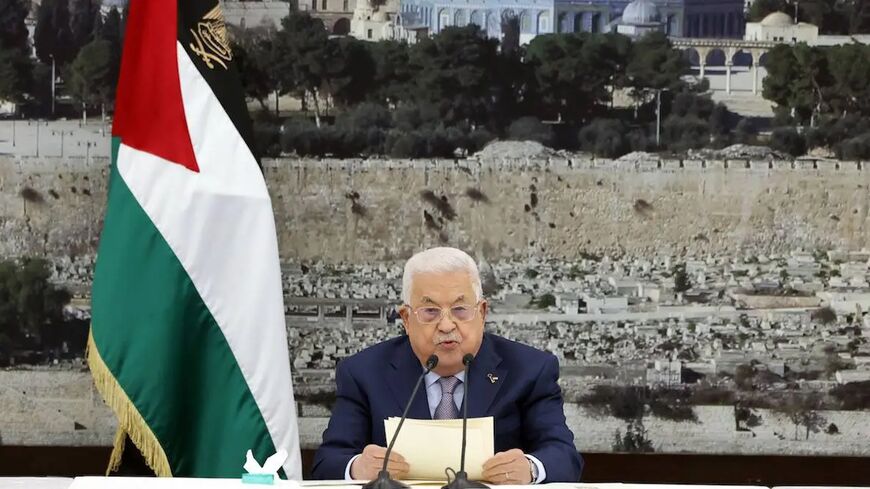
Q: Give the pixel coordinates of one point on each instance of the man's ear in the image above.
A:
(405, 314)
(484, 309)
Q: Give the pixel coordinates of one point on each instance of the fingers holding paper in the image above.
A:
(371, 461)
(510, 467)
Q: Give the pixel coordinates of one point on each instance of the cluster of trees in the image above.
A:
(824, 90)
(832, 16)
(31, 313)
(460, 89)
(75, 38)
(15, 64)
(631, 403)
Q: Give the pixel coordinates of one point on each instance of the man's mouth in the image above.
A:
(449, 344)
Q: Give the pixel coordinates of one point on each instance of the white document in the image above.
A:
(431, 446)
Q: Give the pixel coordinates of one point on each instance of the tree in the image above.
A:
(672, 405)
(745, 418)
(392, 74)
(530, 128)
(349, 70)
(812, 421)
(744, 377)
(253, 57)
(635, 440)
(91, 80)
(299, 54)
(824, 315)
(98, 24)
(29, 304)
(556, 67)
(827, 14)
(545, 301)
(112, 28)
(858, 14)
(654, 66)
(82, 17)
(624, 402)
(852, 396)
(13, 31)
(510, 28)
(684, 133)
(454, 72)
(45, 32)
(762, 8)
(15, 74)
(781, 71)
(803, 412)
(513, 91)
(111, 32)
(15, 64)
(681, 279)
(813, 86)
(800, 80)
(574, 72)
(604, 137)
(849, 66)
(125, 14)
(54, 38)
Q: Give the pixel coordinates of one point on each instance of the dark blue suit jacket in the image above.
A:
(525, 401)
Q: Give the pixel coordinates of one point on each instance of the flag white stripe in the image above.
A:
(220, 225)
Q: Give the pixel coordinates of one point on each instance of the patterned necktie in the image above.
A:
(447, 407)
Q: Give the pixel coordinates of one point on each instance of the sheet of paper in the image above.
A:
(331, 483)
(337, 484)
(430, 446)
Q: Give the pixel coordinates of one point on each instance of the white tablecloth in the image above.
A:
(35, 482)
(178, 483)
(174, 483)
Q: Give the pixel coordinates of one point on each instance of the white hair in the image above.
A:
(440, 260)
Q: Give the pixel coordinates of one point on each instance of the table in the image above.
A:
(173, 483)
(35, 482)
(180, 483)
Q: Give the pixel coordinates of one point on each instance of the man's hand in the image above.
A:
(510, 467)
(371, 461)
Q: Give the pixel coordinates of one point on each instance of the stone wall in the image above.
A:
(381, 210)
(62, 408)
(55, 408)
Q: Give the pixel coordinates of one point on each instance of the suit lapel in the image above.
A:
(406, 370)
(486, 378)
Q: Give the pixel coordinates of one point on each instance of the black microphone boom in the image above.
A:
(461, 480)
(384, 481)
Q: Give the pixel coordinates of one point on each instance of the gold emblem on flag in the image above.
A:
(210, 41)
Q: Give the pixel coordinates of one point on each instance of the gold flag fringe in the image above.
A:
(130, 422)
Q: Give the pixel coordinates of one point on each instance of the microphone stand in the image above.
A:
(460, 481)
(384, 481)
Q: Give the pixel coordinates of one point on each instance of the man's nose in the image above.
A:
(446, 324)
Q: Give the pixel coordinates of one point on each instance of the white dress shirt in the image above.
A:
(433, 395)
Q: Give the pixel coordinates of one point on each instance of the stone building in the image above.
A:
(677, 18)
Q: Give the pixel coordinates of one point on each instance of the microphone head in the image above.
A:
(432, 361)
(467, 359)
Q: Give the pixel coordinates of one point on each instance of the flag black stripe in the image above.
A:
(200, 35)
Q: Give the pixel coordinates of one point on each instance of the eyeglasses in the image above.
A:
(433, 314)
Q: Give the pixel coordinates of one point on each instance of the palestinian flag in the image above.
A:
(188, 344)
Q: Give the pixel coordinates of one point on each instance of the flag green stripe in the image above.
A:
(161, 343)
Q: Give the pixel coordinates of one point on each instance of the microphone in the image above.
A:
(460, 481)
(384, 481)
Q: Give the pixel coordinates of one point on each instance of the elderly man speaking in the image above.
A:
(444, 313)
